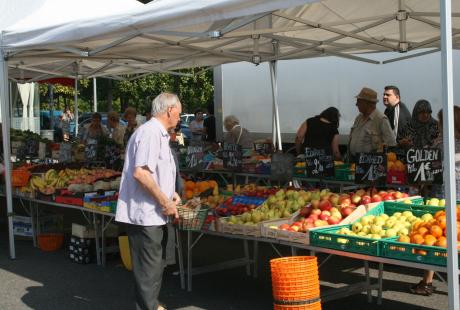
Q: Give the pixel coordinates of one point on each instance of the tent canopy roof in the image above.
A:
(166, 35)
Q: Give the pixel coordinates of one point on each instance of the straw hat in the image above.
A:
(368, 95)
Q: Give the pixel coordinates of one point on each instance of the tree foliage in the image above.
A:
(195, 91)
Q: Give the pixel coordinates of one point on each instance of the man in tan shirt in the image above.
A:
(371, 129)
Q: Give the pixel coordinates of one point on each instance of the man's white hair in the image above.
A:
(163, 101)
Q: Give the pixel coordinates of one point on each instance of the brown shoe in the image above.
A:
(421, 288)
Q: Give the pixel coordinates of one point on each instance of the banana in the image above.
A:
(54, 182)
(49, 175)
(38, 182)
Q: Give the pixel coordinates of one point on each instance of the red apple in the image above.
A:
(313, 217)
(397, 195)
(325, 205)
(366, 199)
(296, 224)
(381, 193)
(309, 225)
(324, 217)
(360, 192)
(344, 199)
(305, 211)
(314, 203)
(295, 228)
(284, 226)
(333, 220)
(346, 211)
(376, 198)
(387, 197)
(405, 195)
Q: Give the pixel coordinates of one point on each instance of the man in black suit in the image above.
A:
(396, 111)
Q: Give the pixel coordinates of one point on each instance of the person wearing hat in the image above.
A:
(396, 111)
(371, 129)
(117, 130)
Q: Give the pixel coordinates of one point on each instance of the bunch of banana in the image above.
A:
(26, 189)
(61, 183)
(37, 183)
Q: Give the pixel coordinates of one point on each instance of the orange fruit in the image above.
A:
(421, 252)
(189, 185)
(436, 231)
(404, 238)
(441, 221)
(422, 230)
(417, 239)
(189, 194)
(439, 213)
(399, 166)
(442, 242)
(391, 156)
(429, 240)
(390, 166)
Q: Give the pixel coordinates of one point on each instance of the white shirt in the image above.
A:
(148, 146)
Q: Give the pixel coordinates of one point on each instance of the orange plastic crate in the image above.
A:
(50, 242)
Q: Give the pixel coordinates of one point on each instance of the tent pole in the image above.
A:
(449, 157)
(95, 95)
(273, 66)
(76, 105)
(5, 108)
(51, 96)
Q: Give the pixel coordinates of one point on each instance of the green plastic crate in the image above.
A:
(390, 208)
(344, 173)
(328, 238)
(418, 204)
(414, 252)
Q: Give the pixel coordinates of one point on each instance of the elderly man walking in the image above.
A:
(371, 129)
(147, 197)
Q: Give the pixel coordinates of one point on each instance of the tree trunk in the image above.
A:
(109, 95)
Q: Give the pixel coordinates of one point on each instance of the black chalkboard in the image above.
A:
(32, 147)
(318, 163)
(91, 150)
(263, 148)
(424, 165)
(232, 156)
(112, 157)
(281, 166)
(194, 159)
(371, 168)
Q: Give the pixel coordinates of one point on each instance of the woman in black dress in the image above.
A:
(320, 132)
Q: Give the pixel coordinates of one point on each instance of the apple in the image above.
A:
(326, 213)
(397, 195)
(360, 192)
(313, 217)
(284, 226)
(305, 211)
(387, 197)
(334, 199)
(355, 199)
(315, 203)
(344, 200)
(381, 193)
(376, 198)
(405, 195)
(295, 228)
(315, 211)
(325, 205)
(333, 220)
(309, 225)
(346, 211)
(366, 199)
(324, 217)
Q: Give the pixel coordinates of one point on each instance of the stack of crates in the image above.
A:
(81, 250)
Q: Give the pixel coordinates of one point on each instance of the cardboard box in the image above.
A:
(22, 226)
(81, 231)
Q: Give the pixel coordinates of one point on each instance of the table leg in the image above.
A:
(189, 260)
(96, 239)
(379, 299)
(368, 281)
(102, 240)
(256, 258)
(34, 218)
(293, 251)
(180, 257)
(246, 256)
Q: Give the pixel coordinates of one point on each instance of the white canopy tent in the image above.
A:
(166, 35)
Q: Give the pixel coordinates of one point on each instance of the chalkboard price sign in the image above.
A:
(318, 163)
(194, 159)
(263, 148)
(112, 157)
(371, 168)
(232, 156)
(424, 165)
(91, 150)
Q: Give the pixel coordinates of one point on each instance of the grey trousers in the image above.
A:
(147, 256)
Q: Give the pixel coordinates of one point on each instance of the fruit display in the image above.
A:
(193, 189)
(434, 202)
(76, 180)
(430, 230)
(394, 164)
(281, 205)
(228, 208)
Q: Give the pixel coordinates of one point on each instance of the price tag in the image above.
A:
(371, 168)
(318, 163)
(232, 156)
(112, 156)
(194, 159)
(424, 165)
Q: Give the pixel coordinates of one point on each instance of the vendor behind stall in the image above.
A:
(94, 130)
(130, 118)
(117, 130)
(236, 133)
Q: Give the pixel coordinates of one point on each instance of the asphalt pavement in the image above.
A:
(49, 281)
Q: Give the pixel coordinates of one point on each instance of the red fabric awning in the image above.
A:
(63, 81)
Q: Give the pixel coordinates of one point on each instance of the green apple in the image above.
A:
(357, 227)
(397, 214)
(366, 229)
(375, 229)
(426, 217)
(391, 233)
(382, 233)
(366, 220)
(433, 202)
(403, 232)
(442, 203)
(375, 236)
(407, 214)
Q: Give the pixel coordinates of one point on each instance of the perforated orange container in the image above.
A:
(295, 282)
(50, 242)
(312, 306)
